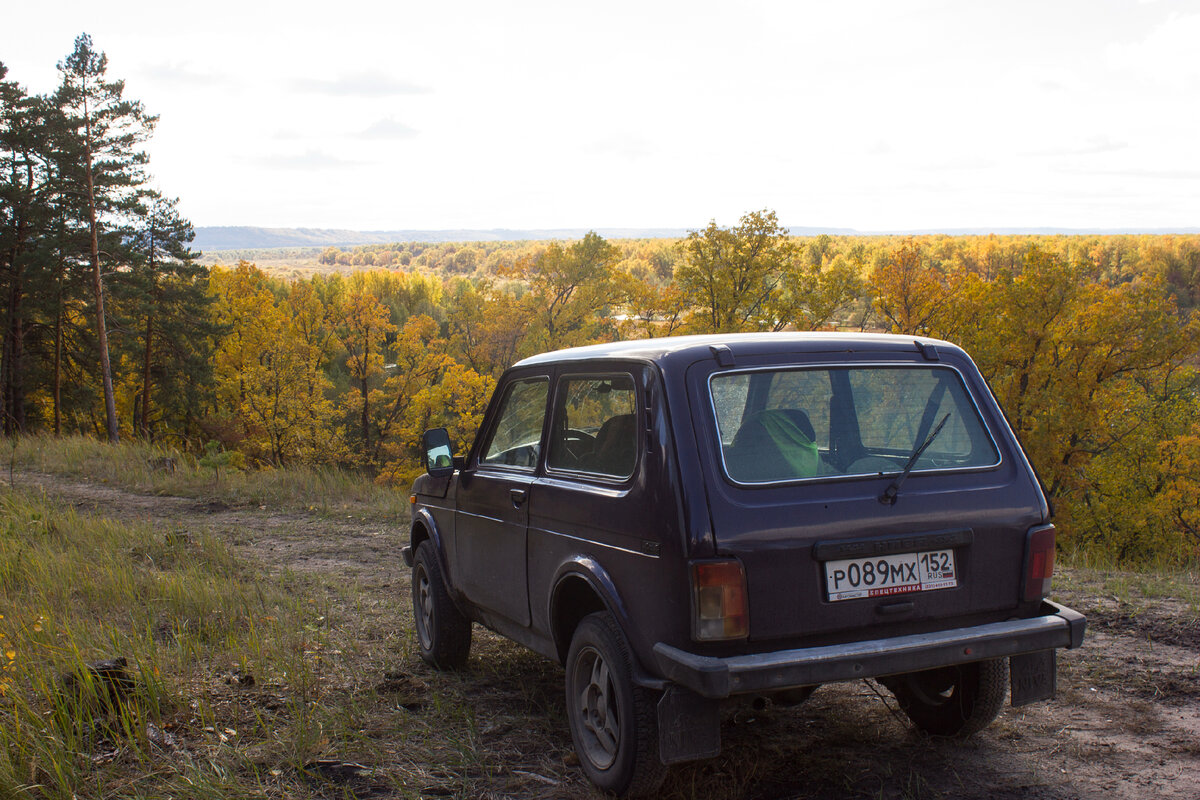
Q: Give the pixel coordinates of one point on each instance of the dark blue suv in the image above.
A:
(685, 520)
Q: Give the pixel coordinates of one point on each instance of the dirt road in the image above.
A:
(1126, 723)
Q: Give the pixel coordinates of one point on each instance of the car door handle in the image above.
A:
(518, 496)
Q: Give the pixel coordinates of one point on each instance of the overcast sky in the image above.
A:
(889, 114)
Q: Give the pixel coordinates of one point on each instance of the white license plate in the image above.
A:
(895, 574)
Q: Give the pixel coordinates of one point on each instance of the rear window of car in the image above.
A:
(845, 421)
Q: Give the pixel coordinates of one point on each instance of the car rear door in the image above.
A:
(800, 457)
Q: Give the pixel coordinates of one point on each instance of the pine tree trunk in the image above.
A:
(146, 376)
(110, 404)
(146, 361)
(58, 344)
(9, 368)
(12, 403)
(14, 376)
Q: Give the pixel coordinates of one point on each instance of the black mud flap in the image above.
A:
(689, 726)
(1034, 677)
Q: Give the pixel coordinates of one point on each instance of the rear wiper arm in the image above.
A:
(888, 497)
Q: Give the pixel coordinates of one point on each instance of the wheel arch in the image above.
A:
(424, 528)
(581, 587)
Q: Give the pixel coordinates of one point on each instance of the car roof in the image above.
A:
(687, 349)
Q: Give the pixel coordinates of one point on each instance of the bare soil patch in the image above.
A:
(1126, 723)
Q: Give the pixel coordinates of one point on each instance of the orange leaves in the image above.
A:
(568, 289)
(270, 371)
(1086, 370)
(1080, 337)
(730, 274)
(911, 293)
(1177, 505)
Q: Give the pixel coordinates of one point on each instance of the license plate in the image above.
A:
(901, 573)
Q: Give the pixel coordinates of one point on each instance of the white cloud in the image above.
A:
(310, 159)
(387, 129)
(872, 114)
(183, 74)
(361, 84)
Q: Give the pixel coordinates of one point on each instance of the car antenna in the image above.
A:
(888, 498)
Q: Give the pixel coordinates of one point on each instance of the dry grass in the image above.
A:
(156, 469)
(77, 590)
(196, 600)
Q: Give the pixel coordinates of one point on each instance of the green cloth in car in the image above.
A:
(797, 450)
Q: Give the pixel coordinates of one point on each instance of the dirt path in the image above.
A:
(1126, 723)
(354, 548)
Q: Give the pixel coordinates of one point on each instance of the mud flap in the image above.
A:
(1034, 677)
(689, 726)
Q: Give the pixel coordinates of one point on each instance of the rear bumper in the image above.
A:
(716, 678)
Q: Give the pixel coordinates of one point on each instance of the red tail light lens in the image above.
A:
(1039, 562)
(719, 600)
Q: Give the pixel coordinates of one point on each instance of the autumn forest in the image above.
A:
(112, 328)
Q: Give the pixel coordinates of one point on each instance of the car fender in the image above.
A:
(601, 584)
(424, 521)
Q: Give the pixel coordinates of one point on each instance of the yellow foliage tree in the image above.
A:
(456, 402)
(487, 327)
(426, 389)
(729, 274)
(911, 293)
(810, 295)
(419, 361)
(651, 309)
(268, 378)
(568, 289)
(362, 326)
(1177, 505)
(1077, 364)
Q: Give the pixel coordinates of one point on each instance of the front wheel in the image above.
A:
(953, 701)
(443, 633)
(613, 722)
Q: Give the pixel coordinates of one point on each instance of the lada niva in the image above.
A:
(681, 521)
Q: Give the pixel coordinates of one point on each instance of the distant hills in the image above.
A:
(248, 238)
(251, 238)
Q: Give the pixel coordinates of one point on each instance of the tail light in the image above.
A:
(1039, 562)
(719, 600)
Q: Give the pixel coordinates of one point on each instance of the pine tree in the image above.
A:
(103, 170)
(165, 303)
(24, 184)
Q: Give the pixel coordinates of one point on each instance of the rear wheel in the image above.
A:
(793, 697)
(953, 701)
(613, 722)
(443, 633)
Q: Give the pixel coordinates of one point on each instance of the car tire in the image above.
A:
(790, 698)
(614, 723)
(443, 633)
(953, 701)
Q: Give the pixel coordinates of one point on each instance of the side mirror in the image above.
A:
(439, 458)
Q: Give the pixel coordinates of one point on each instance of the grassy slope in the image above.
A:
(158, 470)
(190, 617)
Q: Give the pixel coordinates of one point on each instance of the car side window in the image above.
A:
(515, 439)
(595, 426)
